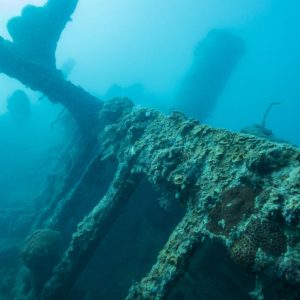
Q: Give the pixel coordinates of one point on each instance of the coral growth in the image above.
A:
(41, 247)
(40, 253)
(261, 235)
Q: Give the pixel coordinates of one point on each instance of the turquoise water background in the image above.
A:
(151, 43)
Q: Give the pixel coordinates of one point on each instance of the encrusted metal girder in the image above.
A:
(172, 260)
(90, 232)
(236, 188)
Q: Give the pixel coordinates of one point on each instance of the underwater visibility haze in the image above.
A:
(149, 150)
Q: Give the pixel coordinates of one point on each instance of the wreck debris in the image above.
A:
(260, 130)
(30, 58)
(263, 124)
(57, 118)
(39, 46)
(238, 189)
(81, 104)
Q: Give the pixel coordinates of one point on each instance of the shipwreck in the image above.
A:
(224, 199)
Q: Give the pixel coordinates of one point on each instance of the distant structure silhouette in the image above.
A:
(18, 105)
(214, 60)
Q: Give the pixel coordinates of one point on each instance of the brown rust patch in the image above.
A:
(235, 205)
